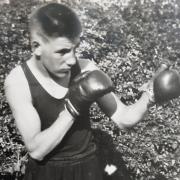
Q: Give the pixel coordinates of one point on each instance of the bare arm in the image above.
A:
(124, 116)
(39, 143)
(127, 116)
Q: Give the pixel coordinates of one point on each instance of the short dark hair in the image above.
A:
(56, 20)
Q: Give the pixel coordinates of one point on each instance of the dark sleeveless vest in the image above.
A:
(78, 141)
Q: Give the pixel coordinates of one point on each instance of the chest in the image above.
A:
(51, 87)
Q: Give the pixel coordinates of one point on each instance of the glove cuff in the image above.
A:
(150, 94)
(71, 109)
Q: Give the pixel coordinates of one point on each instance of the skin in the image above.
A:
(53, 71)
(57, 57)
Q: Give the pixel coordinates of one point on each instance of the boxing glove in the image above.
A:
(149, 86)
(166, 86)
(85, 89)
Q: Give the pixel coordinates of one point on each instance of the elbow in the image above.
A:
(34, 150)
(123, 121)
(126, 123)
(127, 117)
(131, 122)
(36, 155)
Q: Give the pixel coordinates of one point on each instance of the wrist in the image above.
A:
(150, 99)
(70, 108)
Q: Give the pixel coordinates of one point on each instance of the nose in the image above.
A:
(71, 60)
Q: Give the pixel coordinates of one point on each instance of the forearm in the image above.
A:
(138, 110)
(127, 116)
(46, 140)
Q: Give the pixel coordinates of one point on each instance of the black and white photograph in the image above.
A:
(89, 90)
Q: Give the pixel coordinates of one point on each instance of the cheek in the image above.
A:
(57, 59)
(47, 61)
(53, 63)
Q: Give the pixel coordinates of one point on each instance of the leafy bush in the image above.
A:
(128, 41)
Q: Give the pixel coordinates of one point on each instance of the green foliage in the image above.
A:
(128, 42)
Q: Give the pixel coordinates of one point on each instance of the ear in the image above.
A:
(36, 48)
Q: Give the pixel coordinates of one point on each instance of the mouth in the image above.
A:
(64, 71)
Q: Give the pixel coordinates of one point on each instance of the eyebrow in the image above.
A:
(63, 51)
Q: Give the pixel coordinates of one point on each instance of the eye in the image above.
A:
(63, 51)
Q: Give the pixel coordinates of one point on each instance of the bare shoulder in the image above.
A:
(16, 85)
(87, 65)
(15, 76)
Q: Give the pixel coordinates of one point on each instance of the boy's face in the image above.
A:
(58, 56)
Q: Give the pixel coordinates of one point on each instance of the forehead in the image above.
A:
(63, 42)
